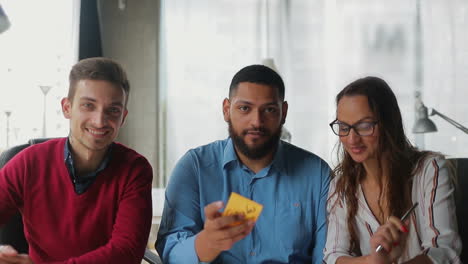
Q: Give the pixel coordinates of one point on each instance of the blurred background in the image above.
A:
(180, 56)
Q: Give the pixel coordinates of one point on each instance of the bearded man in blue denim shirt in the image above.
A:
(290, 183)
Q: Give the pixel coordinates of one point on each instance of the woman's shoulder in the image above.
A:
(429, 160)
(432, 166)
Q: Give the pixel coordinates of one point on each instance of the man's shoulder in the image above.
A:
(210, 150)
(41, 147)
(123, 152)
(128, 163)
(34, 153)
(204, 160)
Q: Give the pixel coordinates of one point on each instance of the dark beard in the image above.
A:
(258, 152)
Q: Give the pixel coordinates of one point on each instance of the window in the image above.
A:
(319, 46)
(36, 53)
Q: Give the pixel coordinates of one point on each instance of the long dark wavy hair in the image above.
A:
(402, 157)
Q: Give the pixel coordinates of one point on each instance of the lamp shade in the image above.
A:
(270, 63)
(4, 22)
(424, 125)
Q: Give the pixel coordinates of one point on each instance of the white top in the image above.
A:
(433, 228)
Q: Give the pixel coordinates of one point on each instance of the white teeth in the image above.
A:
(96, 132)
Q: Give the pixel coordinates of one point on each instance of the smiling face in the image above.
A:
(353, 110)
(96, 112)
(255, 115)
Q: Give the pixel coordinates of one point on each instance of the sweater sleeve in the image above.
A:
(439, 235)
(181, 219)
(132, 224)
(11, 187)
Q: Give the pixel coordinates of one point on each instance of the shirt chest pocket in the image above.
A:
(293, 224)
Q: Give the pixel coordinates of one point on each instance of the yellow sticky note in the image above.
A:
(238, 204)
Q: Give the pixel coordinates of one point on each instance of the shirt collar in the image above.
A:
(229, 153)
(231, 156)
(68, 159)
(279, 158)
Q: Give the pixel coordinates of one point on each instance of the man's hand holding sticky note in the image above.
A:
(240, 205)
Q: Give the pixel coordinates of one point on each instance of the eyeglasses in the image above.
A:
(365, 128)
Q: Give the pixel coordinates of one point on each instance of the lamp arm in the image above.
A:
(448, 119)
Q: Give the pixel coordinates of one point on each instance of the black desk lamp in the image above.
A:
(425, 125)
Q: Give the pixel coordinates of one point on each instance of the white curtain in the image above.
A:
(318, 46)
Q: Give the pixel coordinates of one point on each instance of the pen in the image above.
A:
(403, 218)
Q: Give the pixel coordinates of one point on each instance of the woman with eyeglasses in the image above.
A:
(379, 177)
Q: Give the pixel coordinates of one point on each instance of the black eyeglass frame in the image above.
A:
(373, 123)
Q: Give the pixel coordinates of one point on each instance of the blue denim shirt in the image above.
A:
(83, 182)
(293, 190)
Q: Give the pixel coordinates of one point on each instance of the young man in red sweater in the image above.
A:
(84, 198)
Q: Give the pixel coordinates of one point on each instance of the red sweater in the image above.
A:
(109, 223)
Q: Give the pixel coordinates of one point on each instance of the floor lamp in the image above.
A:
(45, 90)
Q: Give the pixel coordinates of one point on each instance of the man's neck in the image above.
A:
(255, 165)
(84, 159)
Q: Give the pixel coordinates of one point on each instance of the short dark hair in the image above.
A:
(98, 68)
(259, 74)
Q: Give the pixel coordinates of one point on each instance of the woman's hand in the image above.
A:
(390, 236)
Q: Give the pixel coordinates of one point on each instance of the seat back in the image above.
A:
(461, 168)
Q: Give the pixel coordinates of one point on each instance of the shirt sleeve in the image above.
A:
(321, 209)
(181, 219)
(132, 224)
(439, 235)
(337, 244)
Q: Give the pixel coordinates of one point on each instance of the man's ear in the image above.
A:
(226, 107)
(66, 107)
(284, 112)
(124, 117)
